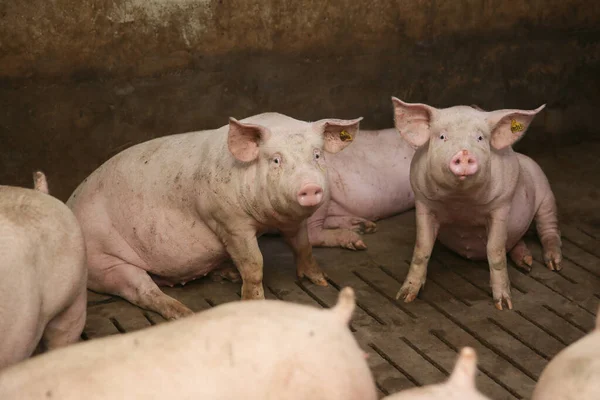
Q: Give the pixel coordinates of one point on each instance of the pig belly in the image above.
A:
(471, 241)
(370, 193)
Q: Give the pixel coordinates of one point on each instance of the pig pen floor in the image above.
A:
(417, 343)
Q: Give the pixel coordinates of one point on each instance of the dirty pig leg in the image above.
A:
(306, 264)
(245, 253)
(321, 237)
(521, 256)
(546, 222)
(427, 229)
(496, 254)
(357, 224)
(136, 286)
(66, 327)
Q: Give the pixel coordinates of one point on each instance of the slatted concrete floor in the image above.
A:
(417, 343)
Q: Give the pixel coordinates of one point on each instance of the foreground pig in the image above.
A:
(460, 385)
(43, 275)
(474, 193)
(176, 207)
(255, 350)
(574, 373)
(369, 181)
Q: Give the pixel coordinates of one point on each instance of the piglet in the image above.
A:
(474, 193)
(460, 385)
(574, 373)
(42, 263)
(258, 350)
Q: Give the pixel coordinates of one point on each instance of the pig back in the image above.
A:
(253, 350)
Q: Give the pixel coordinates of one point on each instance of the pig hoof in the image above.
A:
(525, 263)
(504, 298)
(230, 275)
(367, 227)
(318, 278)
(553, 259)
(177, 313)
(408, 292)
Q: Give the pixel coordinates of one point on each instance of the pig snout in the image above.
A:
(463, 164)
(310, 195)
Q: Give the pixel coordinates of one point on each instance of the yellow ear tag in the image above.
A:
(345, 136)
(516, 126)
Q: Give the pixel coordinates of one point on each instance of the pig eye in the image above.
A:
(277, 160)
(479, 138)
(443, 137)
(317, 154)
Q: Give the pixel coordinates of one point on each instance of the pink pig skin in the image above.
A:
(369, 181)
(42, 262)
(574, 373)
(474, 193)
(177, 207)
(259, 350)
(460, 385)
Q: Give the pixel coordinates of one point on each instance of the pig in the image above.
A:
(474, 193)
(173, 209)
(460, 385)
(368, 181)
(573, 373)
(254, 350)
(42, 264)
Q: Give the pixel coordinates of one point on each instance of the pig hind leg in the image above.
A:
(546, 222)
(357, 224)
(136, 286)
(319, 236)
(66, 327)
(521, 256)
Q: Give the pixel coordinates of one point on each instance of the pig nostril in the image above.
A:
(303, 194)
(471, 161)
(457, 161)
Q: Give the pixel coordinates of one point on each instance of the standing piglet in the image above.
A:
(173, 209)
(258, 350)
(574, 373)
(369, 181)
(474, 193)
(460, 385)
(42, 265)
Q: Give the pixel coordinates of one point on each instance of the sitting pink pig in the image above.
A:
(172, 209)
(574, 373)
(369, 181)
(254, 350)
(42, 264)
(474, 193)
(460, 385)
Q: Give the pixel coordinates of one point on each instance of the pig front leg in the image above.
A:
(496, 254)
(427, 230)
(546, 222)
(305, 261)
(245, 253)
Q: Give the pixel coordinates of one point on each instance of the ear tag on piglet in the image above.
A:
(345, 136)
(516, 126)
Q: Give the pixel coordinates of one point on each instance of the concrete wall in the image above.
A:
(81, 80)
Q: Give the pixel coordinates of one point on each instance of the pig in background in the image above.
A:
(173, 209)
(256, 350)
(460, 385)
(369, 181)
(42, 263)
(474, 193)
(574, 373)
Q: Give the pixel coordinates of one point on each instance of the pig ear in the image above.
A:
(39, 182)
(508, 126)
(338, 133)
(345, 305)
(243, 139)
(412, 121)
(465, 369)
